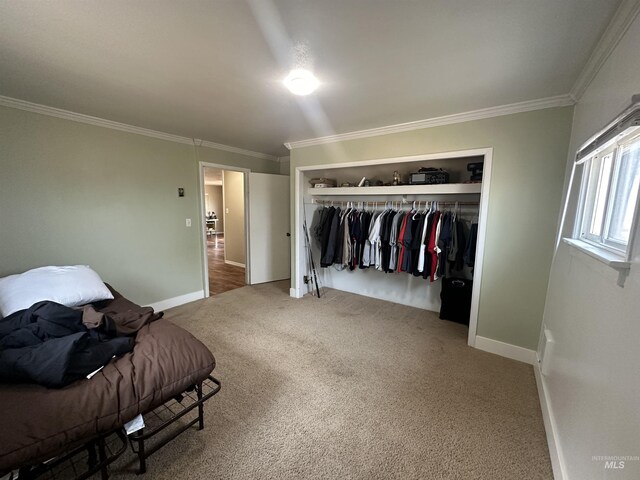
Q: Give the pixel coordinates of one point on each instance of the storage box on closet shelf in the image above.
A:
(323, 182)
(429, 176)
(476, 172)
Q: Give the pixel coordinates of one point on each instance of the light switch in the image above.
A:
(188, 222)
(226, 210)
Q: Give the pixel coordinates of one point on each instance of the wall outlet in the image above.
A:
(188, 222)
(226, 210)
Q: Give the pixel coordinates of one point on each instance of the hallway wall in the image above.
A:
(214, 203)
(233, 191)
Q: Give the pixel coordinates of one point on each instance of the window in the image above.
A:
(610, 184)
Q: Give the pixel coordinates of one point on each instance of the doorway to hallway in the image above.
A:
(222, 276)
(247, 229)
(225, 229)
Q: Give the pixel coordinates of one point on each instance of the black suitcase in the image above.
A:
(456, 300)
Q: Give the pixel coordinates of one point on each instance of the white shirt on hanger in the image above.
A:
(435, 248)
(376, 243)
(423, 247)
(366, 255)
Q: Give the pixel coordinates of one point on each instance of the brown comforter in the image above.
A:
(37, 423)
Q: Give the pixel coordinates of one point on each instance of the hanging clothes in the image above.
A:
(409, 240)
(385, 236)
(416, 242)
(444, 241)
(318, 223)
(325, 229)
(356, 240)
(462, 245)
(364, 238)
(393, 241)
(455, 262)
(431, 244)
(345, 239)
(431, 248)
(428, 258)
(329, 237)
(470, 251)
(337, 256)
(374, 234)
(377, 247)
(424, 240)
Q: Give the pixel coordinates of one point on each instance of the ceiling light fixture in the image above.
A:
(301, 82)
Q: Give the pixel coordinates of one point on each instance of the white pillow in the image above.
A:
(70, 286)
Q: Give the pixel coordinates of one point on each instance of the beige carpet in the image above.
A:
(348, 387)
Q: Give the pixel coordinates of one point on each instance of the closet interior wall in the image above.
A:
(398, 287)
(402, 287)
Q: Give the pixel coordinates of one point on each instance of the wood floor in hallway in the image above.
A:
(222, 276)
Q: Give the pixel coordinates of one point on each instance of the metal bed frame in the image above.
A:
(97, 454)
(81, 462)
(167, 414)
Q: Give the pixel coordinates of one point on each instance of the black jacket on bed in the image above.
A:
(49, 344)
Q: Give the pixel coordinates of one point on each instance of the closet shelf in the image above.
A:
(442, 189)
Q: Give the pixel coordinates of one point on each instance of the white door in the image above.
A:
(269, 240)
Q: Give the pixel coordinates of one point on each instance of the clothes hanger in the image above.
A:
(416, 212)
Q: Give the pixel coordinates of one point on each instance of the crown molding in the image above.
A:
(123, 127)
(241, 151)
(527, 106)
(618, 26)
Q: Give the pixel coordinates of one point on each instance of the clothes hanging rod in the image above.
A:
(382, 203)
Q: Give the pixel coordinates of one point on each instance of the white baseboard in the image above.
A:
(295, 293)
(550, 427)
(175, 301)
(506, 350)
(237, 264)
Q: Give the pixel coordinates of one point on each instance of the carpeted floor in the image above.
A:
(349, 387)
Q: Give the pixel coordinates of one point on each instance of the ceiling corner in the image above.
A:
(618, 26)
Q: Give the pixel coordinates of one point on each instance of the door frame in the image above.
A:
(203, 231)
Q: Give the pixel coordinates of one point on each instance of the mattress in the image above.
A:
(39, 423)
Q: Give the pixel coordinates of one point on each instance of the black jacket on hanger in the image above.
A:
(385, 236)
(327, 250)
(365, 223)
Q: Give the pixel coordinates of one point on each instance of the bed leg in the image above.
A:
(141, 458)
(102, 455)
(200, 407)
(92, 456)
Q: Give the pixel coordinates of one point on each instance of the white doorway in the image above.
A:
(225, 229)
(247, 240)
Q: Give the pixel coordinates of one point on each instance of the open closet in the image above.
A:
(384, 231)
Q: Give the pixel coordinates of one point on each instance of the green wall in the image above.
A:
(234, 218)
(72, 193)
(529, 155)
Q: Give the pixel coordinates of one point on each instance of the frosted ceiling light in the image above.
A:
(301, 82)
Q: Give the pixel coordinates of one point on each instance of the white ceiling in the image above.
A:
(213, 69)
